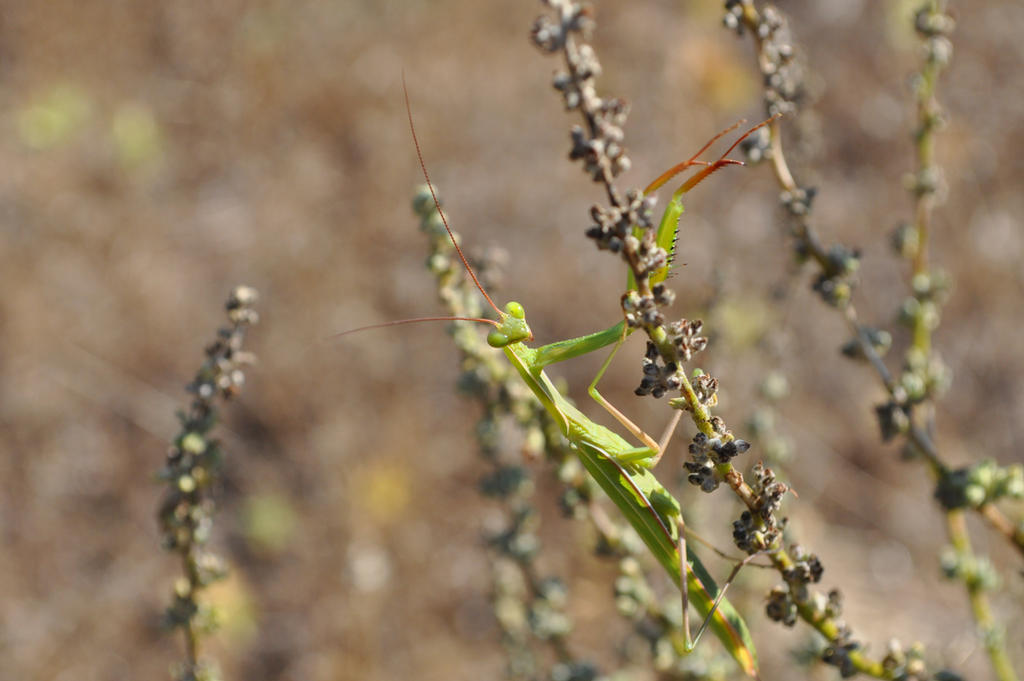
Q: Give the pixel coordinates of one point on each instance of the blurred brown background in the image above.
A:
(153, 155)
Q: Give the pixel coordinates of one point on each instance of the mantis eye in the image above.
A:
(514, 309)
(497, 339)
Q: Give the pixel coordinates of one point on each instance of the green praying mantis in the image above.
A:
(621, 469)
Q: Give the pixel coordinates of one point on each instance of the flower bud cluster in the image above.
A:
(193, 465)
(905, 240)
(613, 225)
(757, 147)
(504, 481)
(758, 529)
(838, 655)
(977, 572)
(518, 540)
(909, 664)
(640, 311)
(935, 28)
(708, 452)
(806, 569)
(625, 225)
(836, 281)
(733, 19)
(633, 595)
(923, 309)
(799, 200)
(573, 17)
(983, 483)
(782, 607)
(603, 154)
(783, 72)
(575, 671)
(927, 181)
(706, 388)
(600, 145)
(659, 377)
(193, 461)
(879, 340)
(893, 419)
(547, 617)
(686, 336)
(924, 377)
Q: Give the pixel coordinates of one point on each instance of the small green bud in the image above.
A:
(182, 587)
(1013, 483)
(775, 386)
(983, 474)
(629, 566)
(909, 310)
(627, 606)
(438, 263)
(914, 385)
(905, 240)
(193, 443)
(842, 292)
(975, 495)
(423, 201)
(930, 315)
(433, 225)
(777, 449)
(921, 284)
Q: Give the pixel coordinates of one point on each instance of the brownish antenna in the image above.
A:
(417, 320)
(437, 204)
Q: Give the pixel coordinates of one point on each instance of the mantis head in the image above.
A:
(511, 327)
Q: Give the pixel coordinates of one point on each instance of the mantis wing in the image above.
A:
(639, 496)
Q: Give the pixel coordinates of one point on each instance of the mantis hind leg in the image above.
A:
(684, 588)
(651, 451)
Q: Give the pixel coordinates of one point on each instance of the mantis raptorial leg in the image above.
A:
(622, 470)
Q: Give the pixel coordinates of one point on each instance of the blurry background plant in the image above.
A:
(192, 472)
(159, 152)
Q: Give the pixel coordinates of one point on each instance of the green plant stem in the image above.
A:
(191, 570)
(805, 601)
(991, 635)
(928, 109)
(812, 244)
(921, 342)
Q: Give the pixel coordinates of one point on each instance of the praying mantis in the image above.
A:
(622, 470)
